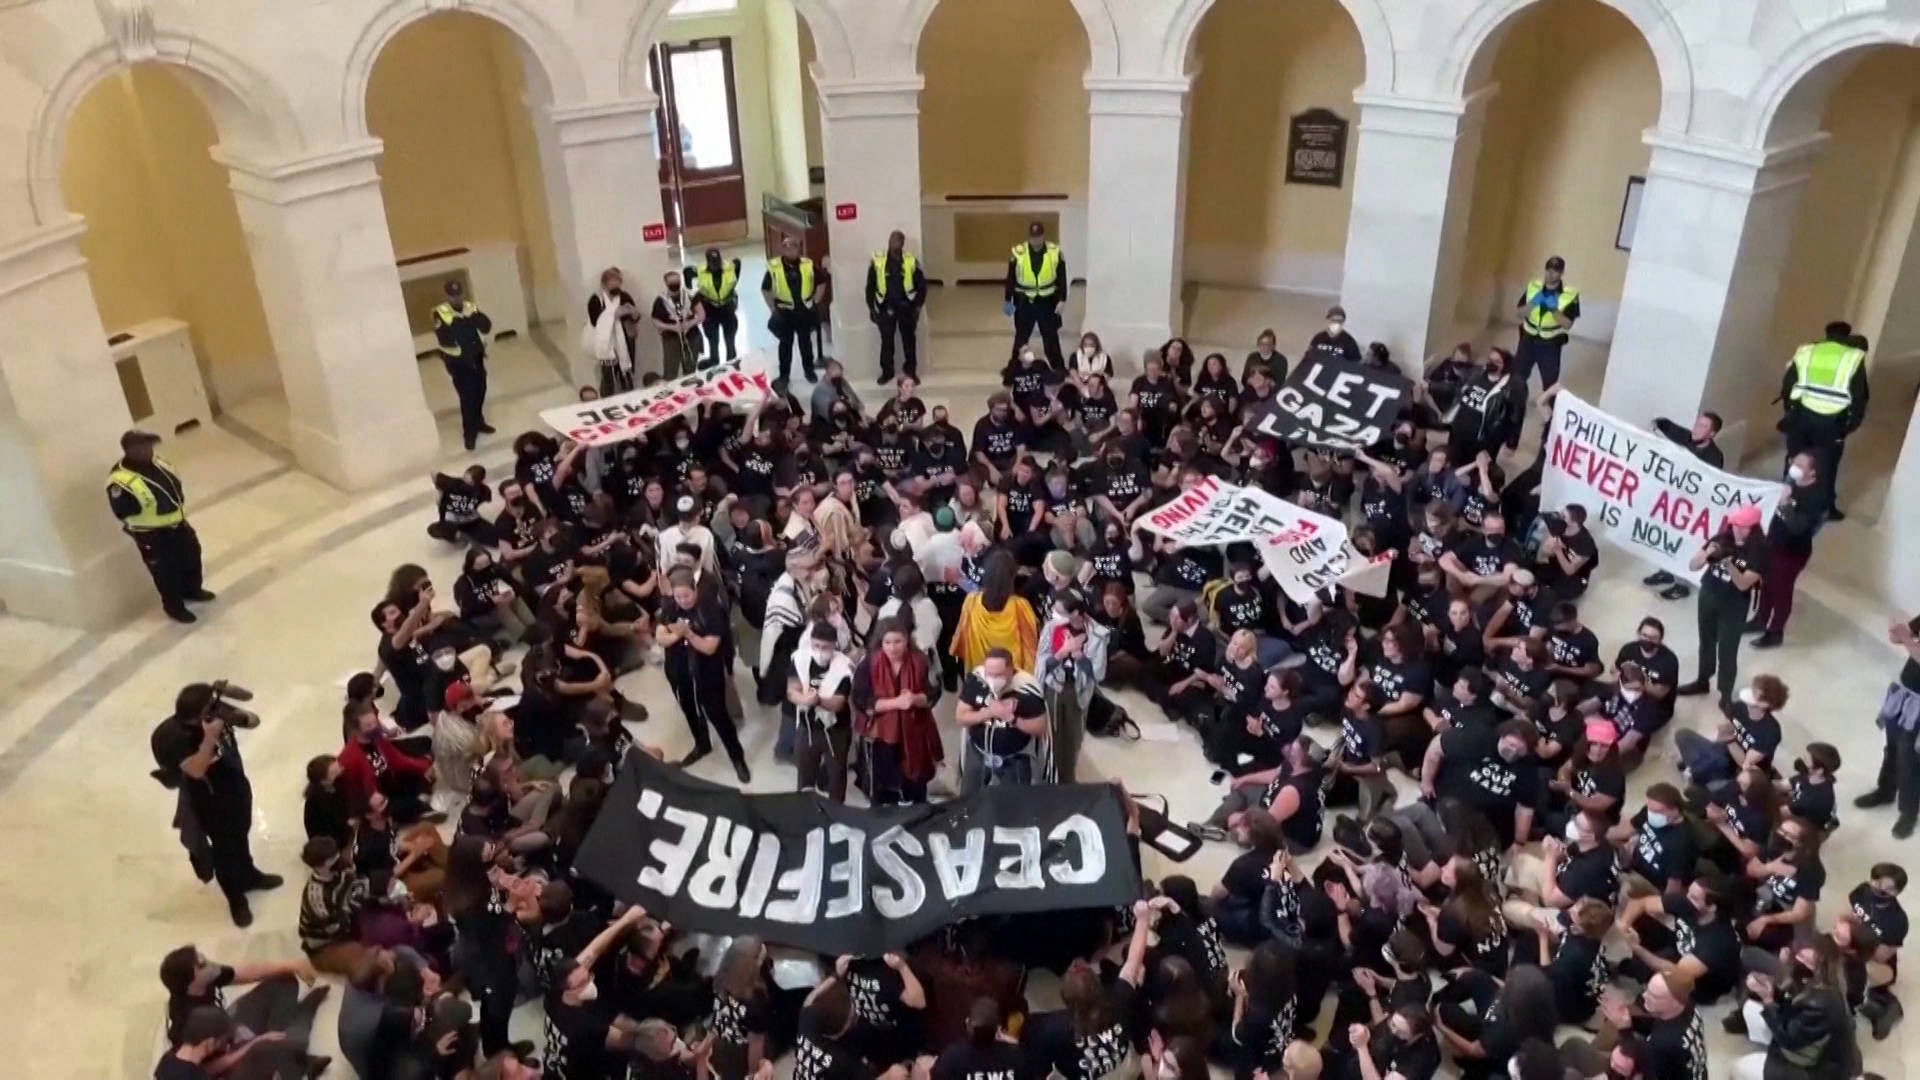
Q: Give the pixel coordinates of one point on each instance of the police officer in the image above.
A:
(792, 291)
(462, 330)
(196, 754)
(1824, 391)
(717, 285)
(148, 498)
(896, 289)
(1547, 309)
(1036, 287)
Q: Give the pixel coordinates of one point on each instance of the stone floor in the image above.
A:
(96, 888)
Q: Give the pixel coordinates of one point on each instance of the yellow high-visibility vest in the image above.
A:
(1534, 321)
(444, 315)
(782, 292)
(1031, 283)
(1823, 376)
(907, 265)
(716, 293)
(150, 515)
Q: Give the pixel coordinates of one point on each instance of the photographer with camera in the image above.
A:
(197, 755)
(1735, 563)
(1568, 555)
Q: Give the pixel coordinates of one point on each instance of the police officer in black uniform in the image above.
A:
(462, 329)
(151, 503)
(195, 753)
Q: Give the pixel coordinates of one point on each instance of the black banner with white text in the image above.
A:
(1334, 405)
(800, 870)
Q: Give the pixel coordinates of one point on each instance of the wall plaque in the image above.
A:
(1316, 148)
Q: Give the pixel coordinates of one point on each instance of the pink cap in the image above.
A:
(1746, 517)
(1602, 733)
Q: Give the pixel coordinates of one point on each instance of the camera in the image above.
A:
(232, 717)
(1556, 524)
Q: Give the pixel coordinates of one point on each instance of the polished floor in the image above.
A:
(96, 889)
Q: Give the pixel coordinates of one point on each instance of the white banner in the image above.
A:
(1304, 551)
(632, 414)
(1646, 493)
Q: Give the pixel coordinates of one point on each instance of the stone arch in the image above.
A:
(1376, 39)
(1103, 37)
(1791, 94)
(553, 59)
(833, 50)
(1467, 54)
(248, 109)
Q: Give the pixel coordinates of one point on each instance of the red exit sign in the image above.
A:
(846, 211)
(653, 233)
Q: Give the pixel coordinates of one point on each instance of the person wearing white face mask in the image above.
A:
(817, 691)
(1333, 343)
(1746, 739)
(1657, 842)
(586, 1034)
(1003, 715)
(1802, 511)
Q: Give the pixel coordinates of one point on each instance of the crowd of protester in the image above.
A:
(1436, 857)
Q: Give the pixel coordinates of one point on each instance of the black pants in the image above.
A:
(274, 1005)
(470, 385)
(1900, 771)
(794, 328)
(614, 379)
(821, 757)
(905, 320)
(1826, 441)
(172, 556)
(226, 819)
(1041, 315)
(702, 696)
(1723, 615)
(721, 324)
(1537, 352)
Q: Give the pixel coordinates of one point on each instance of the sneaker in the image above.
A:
(200, 596)
(241, 912)
(1350, 834)
(1871, 799)
(1676, 591)
(1206, 832)
(1697, 686)
(1903, 828)
(182, 615)
(1769, 640)
(1658, 577)
(263, 882)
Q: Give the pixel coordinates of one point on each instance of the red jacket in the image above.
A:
(356, 771)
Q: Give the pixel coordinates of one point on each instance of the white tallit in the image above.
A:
(839, 676)
(607, 338)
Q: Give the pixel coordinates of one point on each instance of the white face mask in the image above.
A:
(999, 685)
(1572, 831)
(1748, 698)
(1656, 820)
(1628, 693)
(445, 661)
(590, 992)
(1796, 474)
(1334, 329)
(823, 657)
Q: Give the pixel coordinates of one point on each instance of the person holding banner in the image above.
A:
(1701, 441)
(1735, 563)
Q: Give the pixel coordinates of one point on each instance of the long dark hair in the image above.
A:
(998, 579)
(467, 887)
(584, 799)
(1473, 901)
(1086, 1000)
(1269, 975)
(1181, 1005)
(739, 974)
(1526, 1003)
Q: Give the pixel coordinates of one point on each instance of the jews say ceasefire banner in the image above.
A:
(800, 870)
(1643, 492)
(1304, 551)
(1335, 405)
(632, 414)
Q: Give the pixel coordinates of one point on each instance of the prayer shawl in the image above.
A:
(912, 731)
(607, 338)
(786, 614)
(839, 675)
(1041, 748)
(1088, 669)
(839, 527)
(1012, 628)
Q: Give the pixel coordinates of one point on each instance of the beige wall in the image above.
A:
(1004, 110)
(1577, 90)
(786, 99)
(1850, 249)
(1260, 63)
(747, 29)
(810, 99)
(460, 167)
(163, 238)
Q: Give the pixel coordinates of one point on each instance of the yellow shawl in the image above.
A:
(1012, 628)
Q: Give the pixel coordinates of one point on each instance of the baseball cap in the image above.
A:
(136, 437)
(1555, 262)
(1336, 312)
(1746, 517)
(1602, 733)
(459, 692)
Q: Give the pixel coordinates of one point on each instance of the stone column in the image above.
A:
(1413, 172)
(1136, 197)
(1697, 305)
(870, 139)
(323, 260)
(62, 556)
(602, 192)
